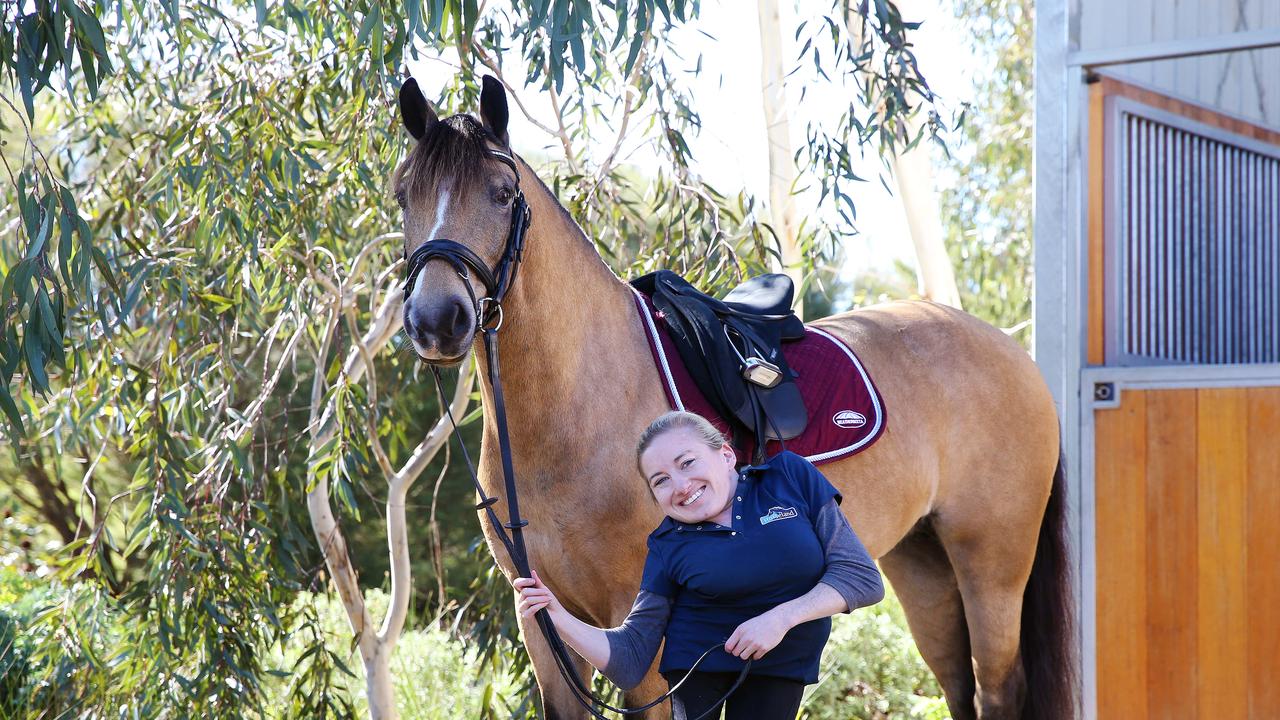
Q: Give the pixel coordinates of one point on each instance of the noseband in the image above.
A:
(497, 281)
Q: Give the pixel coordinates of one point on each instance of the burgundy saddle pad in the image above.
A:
(846, 414)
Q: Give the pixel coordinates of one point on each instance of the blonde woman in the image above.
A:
(757, 559)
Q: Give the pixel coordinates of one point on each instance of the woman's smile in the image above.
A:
(690, 481)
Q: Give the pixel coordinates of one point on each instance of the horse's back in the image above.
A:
(969, 418)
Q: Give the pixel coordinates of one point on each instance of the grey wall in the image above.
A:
(1246, 84)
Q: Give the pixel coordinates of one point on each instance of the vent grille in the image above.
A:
(1199, 242)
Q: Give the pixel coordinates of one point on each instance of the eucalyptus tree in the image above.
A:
(198, 271)
(988, 212)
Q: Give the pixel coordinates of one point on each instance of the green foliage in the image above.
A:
(863, 48)
(19, 598)
(871, 670)
(440, 675)
(988, 209)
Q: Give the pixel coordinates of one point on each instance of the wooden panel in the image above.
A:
(1221, 611)
(1096, 230)
(1188, 565)
(1171, 553)
(1263, 553)
(1120, 479)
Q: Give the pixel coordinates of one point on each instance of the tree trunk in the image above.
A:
(54, 503)
(376, 648)
(782, 169)
(913, 176)
(378, 687)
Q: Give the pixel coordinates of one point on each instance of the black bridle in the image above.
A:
(488, 308)
(498, 281)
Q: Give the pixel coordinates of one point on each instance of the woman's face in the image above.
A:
(690, 481)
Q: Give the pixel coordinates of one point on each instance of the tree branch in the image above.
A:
(401, 482)
(323, 523)
(488, 62)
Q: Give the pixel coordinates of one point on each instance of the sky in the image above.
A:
(730, 149)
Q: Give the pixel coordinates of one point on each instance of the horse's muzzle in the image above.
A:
(441, 329)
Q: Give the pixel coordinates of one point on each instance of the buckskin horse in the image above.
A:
(960, 500)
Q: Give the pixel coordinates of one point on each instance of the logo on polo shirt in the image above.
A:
(777, 513)
(849, 419)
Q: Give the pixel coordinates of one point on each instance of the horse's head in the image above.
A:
(460, 193)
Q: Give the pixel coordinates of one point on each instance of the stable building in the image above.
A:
(1157, 266)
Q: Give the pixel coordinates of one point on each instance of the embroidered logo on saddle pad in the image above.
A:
(777, 513)
(849, 419)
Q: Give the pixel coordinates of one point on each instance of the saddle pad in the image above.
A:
(846, 414)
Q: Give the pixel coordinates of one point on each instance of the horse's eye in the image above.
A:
(401, 199)
(503, 195)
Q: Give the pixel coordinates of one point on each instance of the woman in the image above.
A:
(757, 559)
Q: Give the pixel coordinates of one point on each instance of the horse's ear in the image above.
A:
(415, 111)
(493, 108)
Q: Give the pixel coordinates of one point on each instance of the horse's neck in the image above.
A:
(579, 386)
(567, 336)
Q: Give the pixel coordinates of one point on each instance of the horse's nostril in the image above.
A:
(413, 324)
(460, 320)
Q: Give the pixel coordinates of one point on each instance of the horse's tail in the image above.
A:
(1048, 617)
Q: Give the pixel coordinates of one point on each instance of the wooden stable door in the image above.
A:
(1187, 488)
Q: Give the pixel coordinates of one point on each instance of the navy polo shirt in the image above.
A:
(721, 576)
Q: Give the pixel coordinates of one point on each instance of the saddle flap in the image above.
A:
(716, 339)
(784, 417)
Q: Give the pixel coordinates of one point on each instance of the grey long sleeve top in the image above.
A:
(849, 570)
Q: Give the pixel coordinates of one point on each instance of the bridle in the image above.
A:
(488, 310)
(497, 281)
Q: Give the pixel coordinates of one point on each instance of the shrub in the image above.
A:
(14, 666)
(437, 675)
(871, 670)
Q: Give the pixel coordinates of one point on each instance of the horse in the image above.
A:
(960, 500)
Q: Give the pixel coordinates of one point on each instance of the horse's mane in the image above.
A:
(452, 148)
(455, 148)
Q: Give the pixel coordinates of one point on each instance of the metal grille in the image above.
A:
(1198, 244)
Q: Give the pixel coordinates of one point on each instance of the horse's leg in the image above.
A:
(992, 564)
(558, 702)
(649, 689)
(926, 586)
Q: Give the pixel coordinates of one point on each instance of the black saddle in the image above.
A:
(732, 348)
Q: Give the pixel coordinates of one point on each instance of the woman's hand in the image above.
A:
(590, 641)
(534, 596)
(757, 636)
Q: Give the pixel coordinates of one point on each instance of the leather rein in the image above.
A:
(488, 309)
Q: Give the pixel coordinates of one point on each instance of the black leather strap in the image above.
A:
(497, 283)
(461, 257)
(465, 261)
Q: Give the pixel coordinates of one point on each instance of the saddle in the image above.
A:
(732, 348)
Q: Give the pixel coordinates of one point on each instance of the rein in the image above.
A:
(488, 321)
